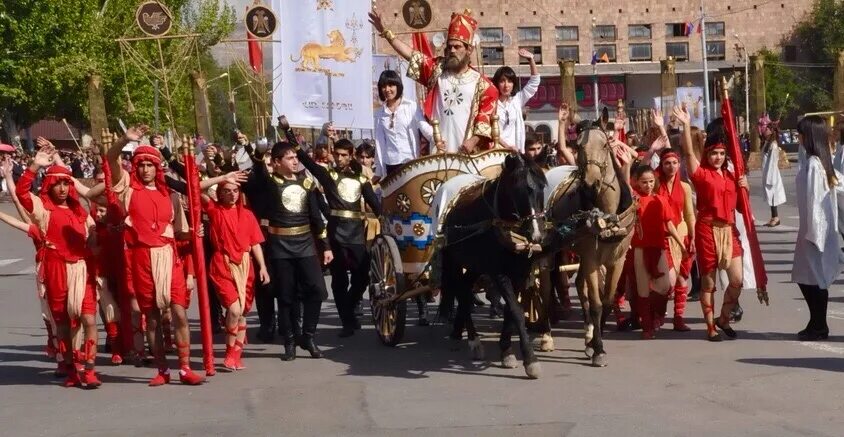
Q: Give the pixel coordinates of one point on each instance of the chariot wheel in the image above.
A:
(387, 283)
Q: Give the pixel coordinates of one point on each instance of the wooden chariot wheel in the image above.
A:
(387, 283)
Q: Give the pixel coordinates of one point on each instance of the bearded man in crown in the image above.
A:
(458, 96)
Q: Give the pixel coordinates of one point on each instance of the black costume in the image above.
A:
(343, 190)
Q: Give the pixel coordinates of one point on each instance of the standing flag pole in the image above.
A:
(734, 150)
(194, 212)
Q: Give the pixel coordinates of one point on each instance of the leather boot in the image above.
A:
(306, 342)
(113, 340)
(289, 350)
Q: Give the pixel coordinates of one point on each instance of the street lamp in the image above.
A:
(231, 99)
(216, 78)
(594, 68)
(746, 83)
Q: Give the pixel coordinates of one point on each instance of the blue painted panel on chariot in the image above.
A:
(416, 230)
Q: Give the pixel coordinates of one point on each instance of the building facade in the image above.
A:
(629, 38)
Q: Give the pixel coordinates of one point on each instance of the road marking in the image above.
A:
(27, 271)
(9, 261)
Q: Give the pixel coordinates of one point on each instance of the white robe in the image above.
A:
(771, 177)
(816, 253)
(453, 106)
(513, 133)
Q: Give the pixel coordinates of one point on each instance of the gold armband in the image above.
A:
(388, 35)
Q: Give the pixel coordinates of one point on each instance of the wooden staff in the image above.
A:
(194, 215)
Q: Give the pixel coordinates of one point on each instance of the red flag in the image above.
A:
(256, 53)
(421, 44)
(734, 150)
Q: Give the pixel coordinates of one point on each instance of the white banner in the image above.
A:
(692, 98)
(325, 60)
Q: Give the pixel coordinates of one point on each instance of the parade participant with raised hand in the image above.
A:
(398, 123)
(774, 191)
(564, 153)
(154, 273)
(816, 254)
(654, 267)
(461, 99)
(716, 236)
(344, 186)
(511, 101)
(63, 230)
(679, 196)
(292, 207)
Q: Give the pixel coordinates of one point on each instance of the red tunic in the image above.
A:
(716, 194)
(234, 230)
(654, 214)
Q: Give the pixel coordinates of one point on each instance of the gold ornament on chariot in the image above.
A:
(403, 202)
(418, 229)
(349, 189)
(417, 13)
(429, 189)
(153, 18)
(293, 198)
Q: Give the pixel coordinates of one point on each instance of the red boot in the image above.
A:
(238, 355)
(643, 307)
(89, 379)
(88, 376)
(72, 379)
(51, 348)
(186, 375)
(113, 339)
(230, 361)
(681, 295)
(161, 378)
(659, 305)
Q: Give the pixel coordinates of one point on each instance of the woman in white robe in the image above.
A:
(816, 253)
(774, 191)
(511, 120)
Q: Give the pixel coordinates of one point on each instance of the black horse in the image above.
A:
(492, 231)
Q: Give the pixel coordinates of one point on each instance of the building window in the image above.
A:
(639, 31)
(568, 52)
(675, 29)
(677, 50)
(608, 49)
(605, 33)
(716, 50)
(640, 52)
(492, 35)
(537, 55)
(530, 34)
(567, 33)
(493, 55)
(715, 29)
(789, 53)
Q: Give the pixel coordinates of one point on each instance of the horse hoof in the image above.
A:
(533, 370)
(509, 361)
(599, 360)
(546, 344)
(589, 351)
(476, 348)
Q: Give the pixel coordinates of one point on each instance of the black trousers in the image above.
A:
(265, 296)
(817, 299)
(298, 280)
(349, 260)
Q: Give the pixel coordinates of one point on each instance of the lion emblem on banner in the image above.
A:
(312, 52)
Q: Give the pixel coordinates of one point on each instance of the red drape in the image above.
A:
(256, 53)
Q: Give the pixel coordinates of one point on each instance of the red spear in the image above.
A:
(734, 151)
(195, 213)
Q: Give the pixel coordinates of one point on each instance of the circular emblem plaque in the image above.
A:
(153, 18)
(417, 13)
(260, 21)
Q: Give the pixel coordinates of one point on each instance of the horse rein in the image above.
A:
(607, 147)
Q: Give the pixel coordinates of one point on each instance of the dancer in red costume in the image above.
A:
(64, 226)
(107, 255)
(679, 195)
(234, 233)
(716, 237)
(654, 269)
(154, 274)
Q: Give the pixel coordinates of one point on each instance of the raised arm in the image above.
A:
(404, 50)
(43, 158)
(532, 85)
(14, 222)
(692, 161)
(11, 186)
(562, 150)
(235, 177)
(113, 155)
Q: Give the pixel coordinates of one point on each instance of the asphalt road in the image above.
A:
(765, 383)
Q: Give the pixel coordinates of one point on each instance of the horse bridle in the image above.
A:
(607, 147)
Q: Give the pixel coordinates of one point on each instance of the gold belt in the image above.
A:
(347, 214)
(289, 232)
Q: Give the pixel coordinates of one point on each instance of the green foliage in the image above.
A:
(782, 89)
(49, 49)
(821, 37)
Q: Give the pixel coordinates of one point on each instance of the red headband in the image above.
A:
(146, 153)
(671, 154)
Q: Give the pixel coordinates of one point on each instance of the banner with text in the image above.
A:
(325, 61)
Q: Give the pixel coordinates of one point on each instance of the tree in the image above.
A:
(49, 48)
(821, 38)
